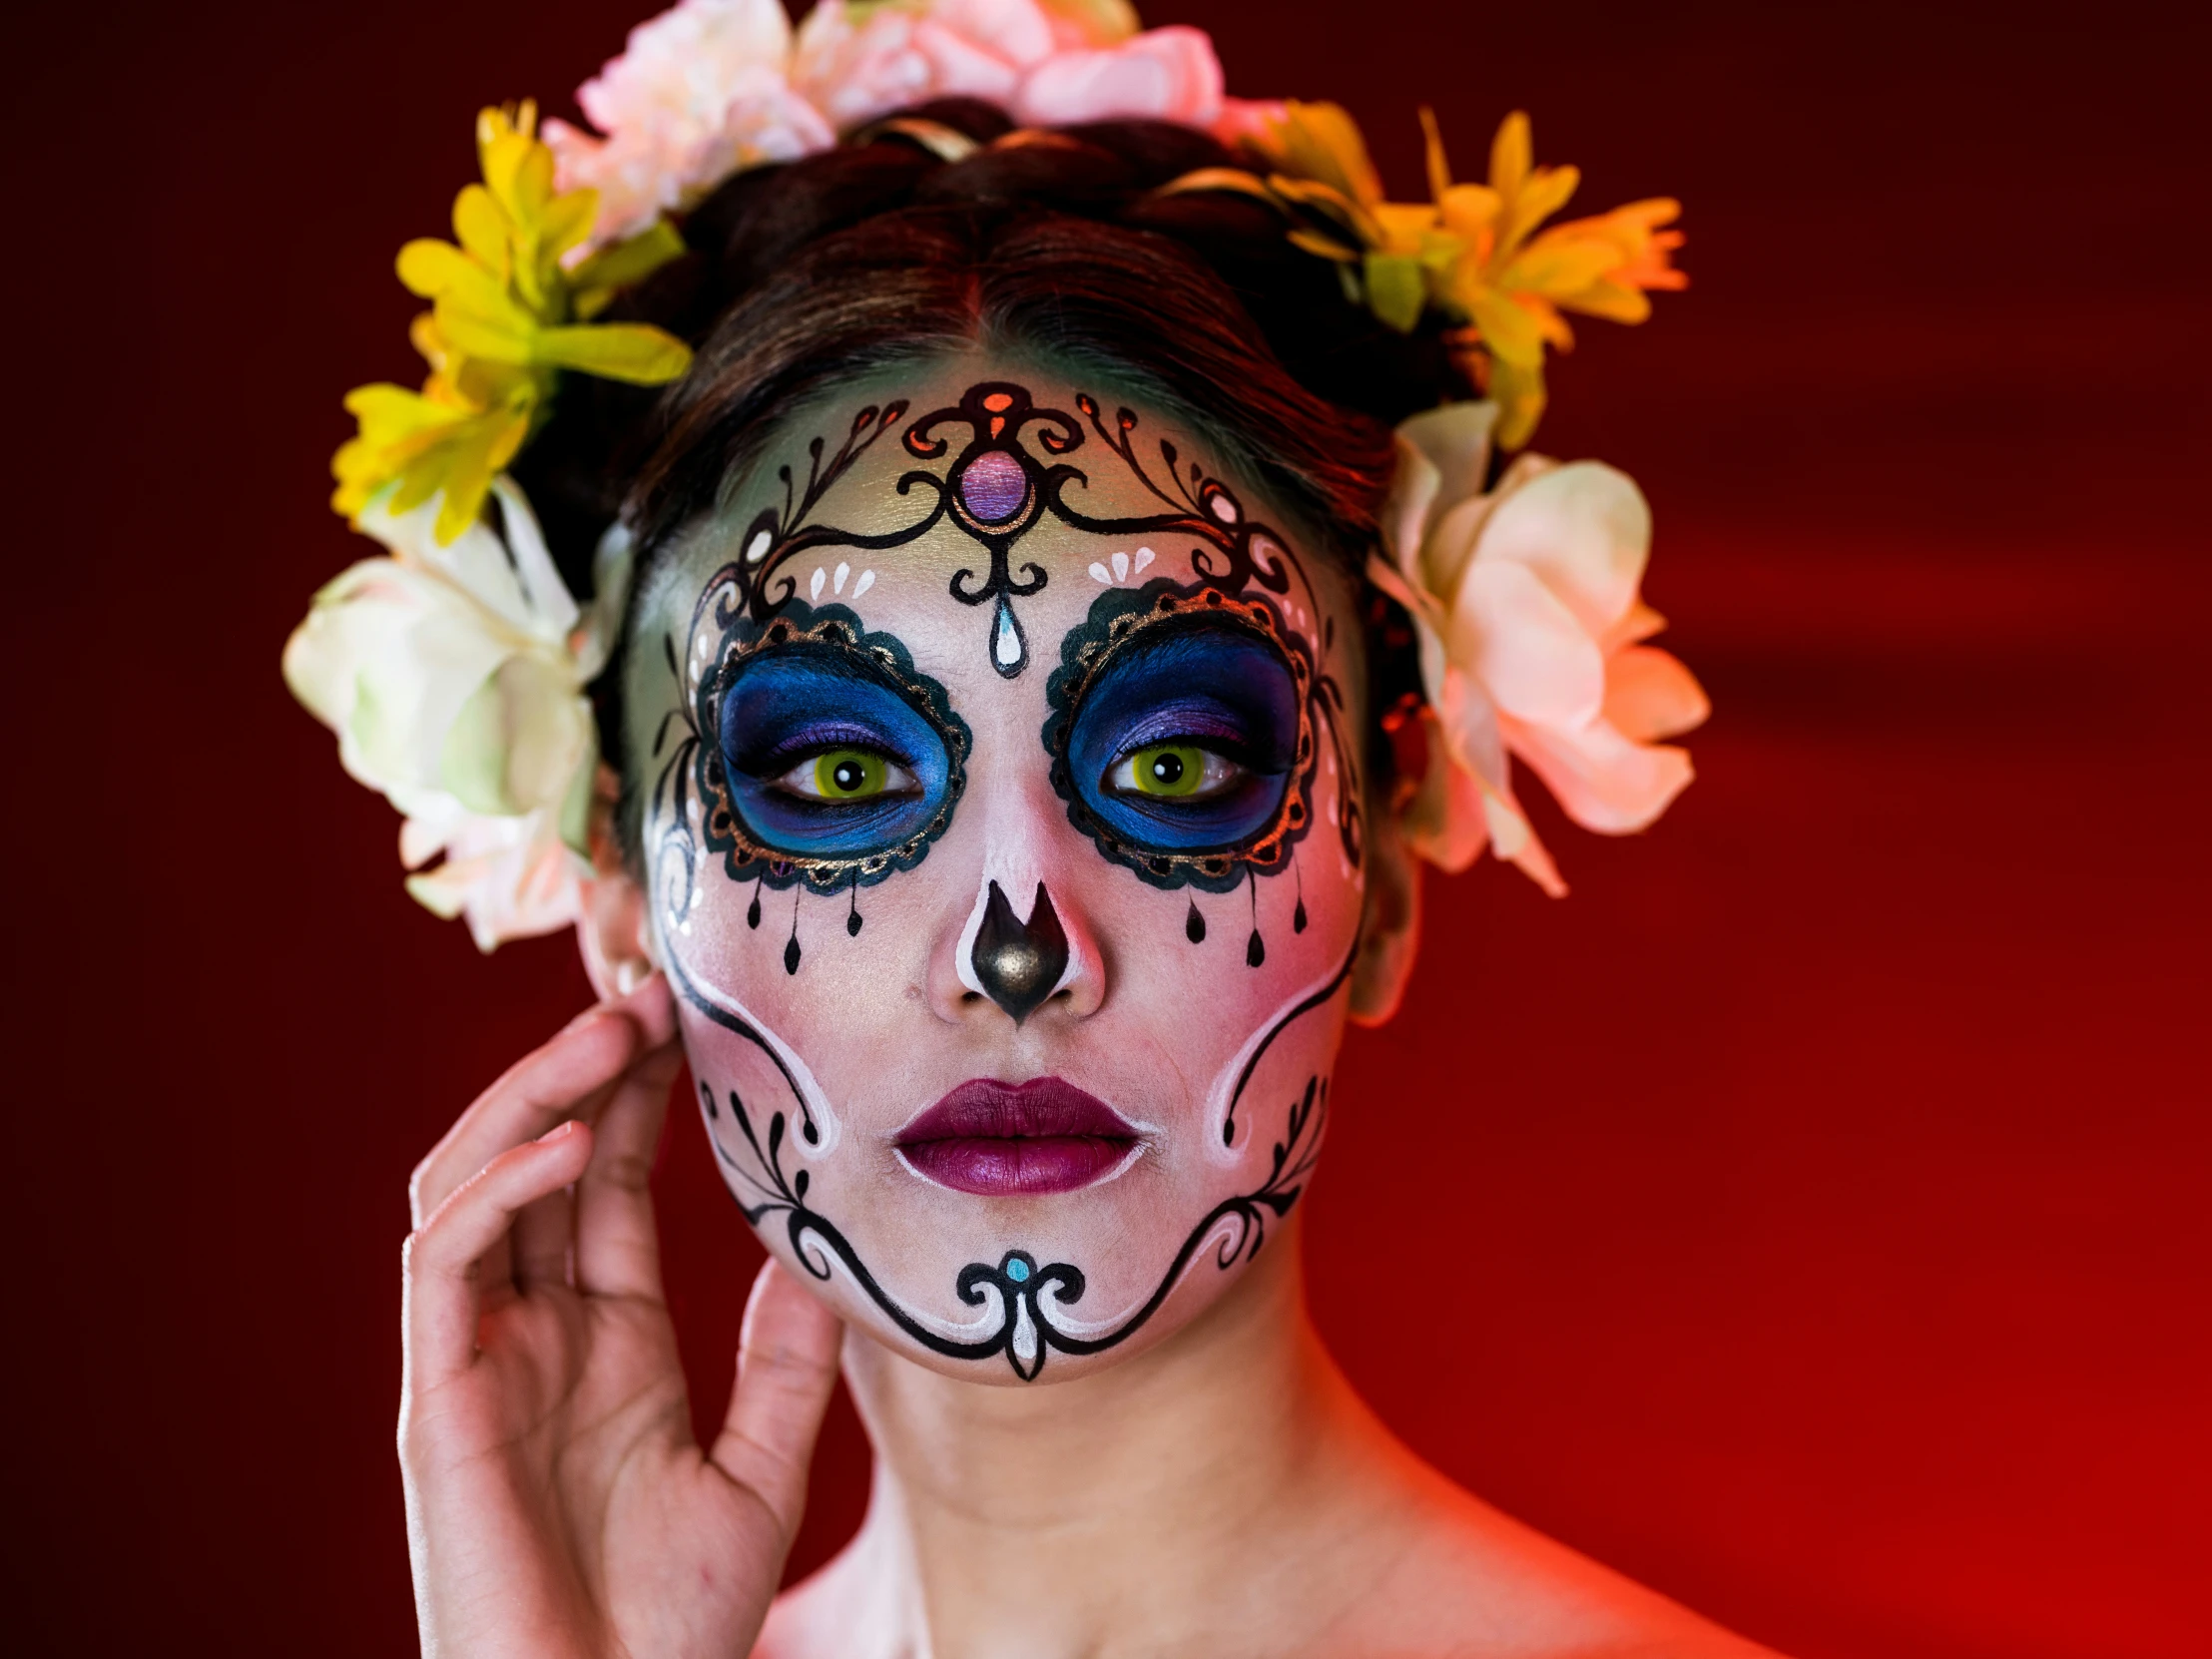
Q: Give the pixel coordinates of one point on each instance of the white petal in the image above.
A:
(1514, 634)
(1586, 530)
(1101, 574)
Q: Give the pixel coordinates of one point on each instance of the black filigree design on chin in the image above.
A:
(1026, 1330)
(694, 813)
(1027, 1295)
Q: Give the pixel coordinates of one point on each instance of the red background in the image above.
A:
(1807, 1216)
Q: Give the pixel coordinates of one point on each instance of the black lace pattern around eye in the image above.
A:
(1175, 670)
(763, 702)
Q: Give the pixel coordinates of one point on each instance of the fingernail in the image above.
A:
(557, 1131)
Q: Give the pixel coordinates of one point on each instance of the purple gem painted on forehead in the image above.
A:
(993, 487)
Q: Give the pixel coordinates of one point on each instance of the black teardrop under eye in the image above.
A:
(1207, 683)
(789, 704)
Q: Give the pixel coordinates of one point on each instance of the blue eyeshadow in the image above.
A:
(1222, 687)
(782, 706)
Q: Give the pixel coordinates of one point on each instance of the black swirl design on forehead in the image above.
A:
(1005, 471)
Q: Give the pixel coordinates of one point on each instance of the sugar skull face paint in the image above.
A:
(1003, 842)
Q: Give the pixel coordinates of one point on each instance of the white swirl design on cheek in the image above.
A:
(1231, 1082)
(821, 1125)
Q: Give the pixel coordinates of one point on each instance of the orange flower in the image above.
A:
(1474, 255)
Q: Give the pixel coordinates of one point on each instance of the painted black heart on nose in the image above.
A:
(1019, 965)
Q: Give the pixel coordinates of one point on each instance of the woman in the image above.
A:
(1024, 672)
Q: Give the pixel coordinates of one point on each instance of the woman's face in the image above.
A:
(1003, 821)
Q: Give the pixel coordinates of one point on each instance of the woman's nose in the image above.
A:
(1022, 947)
(1018, 964)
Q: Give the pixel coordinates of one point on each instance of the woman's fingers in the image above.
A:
(443, 1262)
(558, 1081)
(787, 1366)
(618, 1249)
(544, 1234)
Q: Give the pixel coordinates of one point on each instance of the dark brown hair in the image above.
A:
(882, 252)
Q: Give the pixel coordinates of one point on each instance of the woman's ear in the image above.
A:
(611, 933)
(1390, 934)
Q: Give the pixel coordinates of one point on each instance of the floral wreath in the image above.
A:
(454, 670)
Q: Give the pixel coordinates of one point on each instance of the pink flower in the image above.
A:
(1045, 62)
(712, 87)
(1162, 75)
(1525, 599)
(1249, 121)
(700, 93)
(856, 65)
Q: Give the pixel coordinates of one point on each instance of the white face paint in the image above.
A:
(1007, 871)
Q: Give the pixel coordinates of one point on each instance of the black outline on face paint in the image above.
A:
(1237, 555)
(1026, 1333)
(1019, 1287)
(1002, 418)
(694, 773)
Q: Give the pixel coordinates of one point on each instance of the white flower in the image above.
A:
(700, 93)
(1525, 602)
(454, 676)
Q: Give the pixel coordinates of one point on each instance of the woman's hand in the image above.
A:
(557, 1501)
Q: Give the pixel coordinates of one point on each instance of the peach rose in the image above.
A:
(1525, 599)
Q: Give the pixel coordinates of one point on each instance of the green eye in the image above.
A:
(846, 774)
(1173, 770)
(1167, 769)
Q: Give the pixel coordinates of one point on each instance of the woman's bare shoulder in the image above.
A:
(1385, 1558)
(1468, 1579)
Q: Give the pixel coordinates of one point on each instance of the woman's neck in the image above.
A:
(1099, 1515)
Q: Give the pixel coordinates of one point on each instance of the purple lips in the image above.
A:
(1017, 1139)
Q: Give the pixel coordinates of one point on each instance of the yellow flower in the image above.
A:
(1509, 283)
(507, 315)
(1474, 253)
